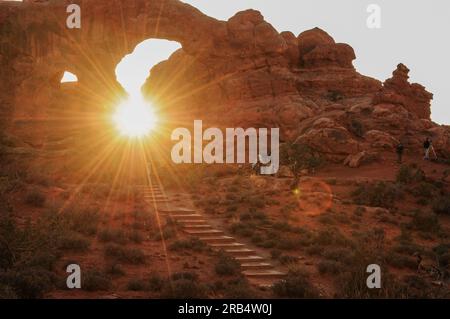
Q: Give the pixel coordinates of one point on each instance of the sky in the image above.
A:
(412, 32)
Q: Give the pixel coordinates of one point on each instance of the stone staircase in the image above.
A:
(254, 266)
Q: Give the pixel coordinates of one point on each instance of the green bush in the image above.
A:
(401, 261)
(137, 285)
(190, 244)
(113, 235)
(84, 221)
(227, 266)
(155, 283)
(238, 289)
(126, 255)
(30, 282)
(330, 267)
(184, 286)
(114, 269)
(94, 280)
(74, 242)
(380, 194)
(295, 285)
(425, 222)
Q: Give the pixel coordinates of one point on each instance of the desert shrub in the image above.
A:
(227, 266)
(136, 237)
(184, 286)
(286, 243)
(29, 283)
(401, 261)
(442, 205)
(299, 157)
(191, 244)
(407, 248)
(7, 292)
(335, 96)
(441, 249)
(114, 269)
(357, 128)
(243, 229)
(330, 267)
(136, 285)
(95, 280)
(35, 198)
(84, 221)
(295, 285)
(155, 283)
(331, 237)
(126, 255)
(28, 255)
(253, 215)
(424, 190)
(113, 235)
(287, 260)
(340, 254)
(74, 242)
(359, 211)
(326, 219)
(405, 174)
(425, 222)
(166, 233)
(380, 194)
(352, 285)
(275, 253)
(238, 289)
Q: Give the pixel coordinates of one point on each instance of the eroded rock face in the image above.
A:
(413, 97)
(236, 73)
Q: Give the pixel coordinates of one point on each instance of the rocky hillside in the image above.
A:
(306, 84)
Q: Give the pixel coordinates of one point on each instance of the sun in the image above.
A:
(135, 117)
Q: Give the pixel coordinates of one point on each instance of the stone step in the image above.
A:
(227, 245)
(263, 274)
(247, 259)
(187, 217)
(217, 240)
(256, 266)
(203, 232)
(203, 226)
(179, 211)
(155, 197)
(192, 221)
(240, 252)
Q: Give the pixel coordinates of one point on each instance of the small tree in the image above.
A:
(299, 157)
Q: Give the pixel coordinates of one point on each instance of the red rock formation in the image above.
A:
(413, 97)
(239, 72)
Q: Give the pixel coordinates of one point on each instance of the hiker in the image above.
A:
(428, 146)
(400, 149)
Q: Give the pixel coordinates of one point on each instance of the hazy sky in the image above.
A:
(413, 32)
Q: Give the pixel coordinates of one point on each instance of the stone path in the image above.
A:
(254, 266)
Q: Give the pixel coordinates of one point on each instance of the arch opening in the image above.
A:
(136, 116)
(69, 77)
